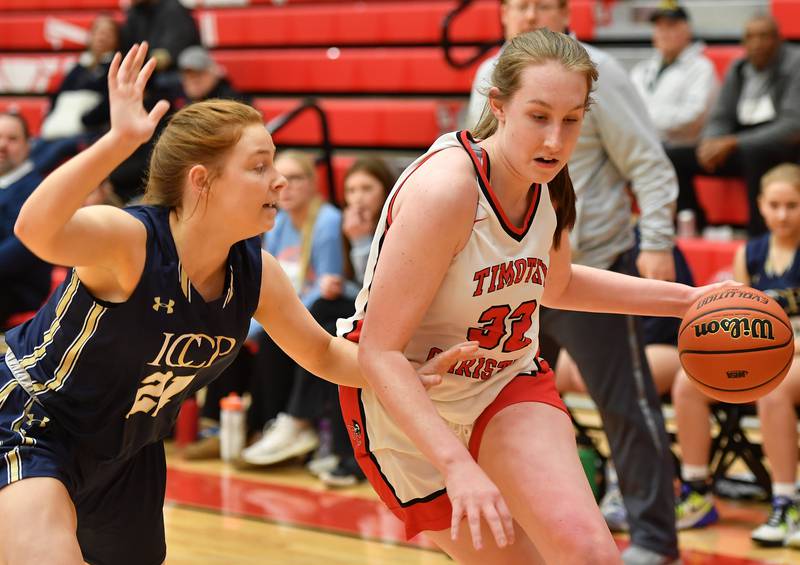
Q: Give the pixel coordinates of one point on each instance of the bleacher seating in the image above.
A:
(787, 13)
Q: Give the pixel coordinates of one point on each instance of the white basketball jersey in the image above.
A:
(490, 293)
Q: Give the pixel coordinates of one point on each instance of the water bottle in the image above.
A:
(687, 224)
(232, 428)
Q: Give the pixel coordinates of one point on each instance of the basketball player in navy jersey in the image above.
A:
(158, 304)
(472, 240)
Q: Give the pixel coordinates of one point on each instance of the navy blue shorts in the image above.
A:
(119, 503)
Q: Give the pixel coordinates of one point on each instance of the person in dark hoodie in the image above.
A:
(166, 25)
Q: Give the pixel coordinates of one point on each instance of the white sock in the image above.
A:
(691, 473)
(788, 490)
(611, 473)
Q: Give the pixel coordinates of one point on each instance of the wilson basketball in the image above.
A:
(736, 344)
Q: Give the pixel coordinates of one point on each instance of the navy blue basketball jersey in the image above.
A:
(762, 277)
(114, 375)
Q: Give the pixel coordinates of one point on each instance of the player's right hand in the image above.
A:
(474, 496)
(127, 79)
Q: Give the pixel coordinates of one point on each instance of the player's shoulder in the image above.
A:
(443, 186)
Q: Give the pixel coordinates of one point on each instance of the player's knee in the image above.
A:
(586, 544)
(684, 391)
(43, 541)
(772, 401)
(46, 547)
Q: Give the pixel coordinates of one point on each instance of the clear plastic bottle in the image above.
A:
(232, 427)
(687, 224)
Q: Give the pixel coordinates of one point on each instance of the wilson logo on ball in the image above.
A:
(737, 374)
(758, 328)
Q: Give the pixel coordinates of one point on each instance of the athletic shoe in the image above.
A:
(783, 523)
(319, 465)
(284, 439)
(203, 449)
(638, 555)
(346, 474)
(694, 509)
(613, 509)
(793, 540)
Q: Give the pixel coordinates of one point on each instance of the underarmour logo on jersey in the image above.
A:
(156, 391)
(34, 421)
(168, 305)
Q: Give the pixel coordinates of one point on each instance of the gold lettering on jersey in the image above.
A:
(168, 305)
(192, 351)
(517, 271)
(156, 391)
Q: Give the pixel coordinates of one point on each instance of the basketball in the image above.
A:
(736, 344)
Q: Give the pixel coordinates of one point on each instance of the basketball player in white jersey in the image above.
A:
(472, 240)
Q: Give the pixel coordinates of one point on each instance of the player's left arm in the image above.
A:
(334, 359)
(577, 287)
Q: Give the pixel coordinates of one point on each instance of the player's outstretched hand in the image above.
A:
(432, 372)
(699, 291)
(474, 496)
(127, 79)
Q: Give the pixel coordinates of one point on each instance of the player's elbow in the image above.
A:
(25, 230)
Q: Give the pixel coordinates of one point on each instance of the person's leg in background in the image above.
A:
(686, 167)
(609, 353)
(310, 398)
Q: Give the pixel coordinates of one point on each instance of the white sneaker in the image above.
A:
(782, 524)
(793, 540)
(613, 509)
(284, 439)
(324, 464)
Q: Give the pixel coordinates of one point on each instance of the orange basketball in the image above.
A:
(736, 344)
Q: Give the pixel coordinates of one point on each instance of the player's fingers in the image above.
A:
(127, 62)
(455, 520)
(140, 58)
(459, 352)
(145, 74)
(474, 521)
(113, 70)
(158, 112)
(430, 380)
(495, 524)
(506, 519)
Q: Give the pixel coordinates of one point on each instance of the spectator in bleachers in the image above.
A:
(79, 110)
(771, 263)
(307, 242)
(366, 185)
(755, 123)
(202, 78)
(618, 145)
(168, 28)
(24, 278)
(166, 25)
(678, 83)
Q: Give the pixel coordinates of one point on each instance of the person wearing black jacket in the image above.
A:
(166, 25)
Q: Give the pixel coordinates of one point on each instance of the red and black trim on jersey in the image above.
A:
(355, 334)
(429, 512)
(482, 168)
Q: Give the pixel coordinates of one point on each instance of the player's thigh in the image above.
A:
(664, 365)
(38, 524)
(521, 552)
(789, 388)
(529, 451)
